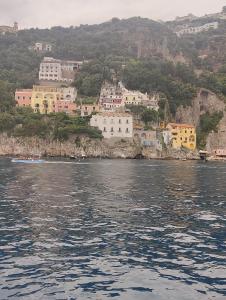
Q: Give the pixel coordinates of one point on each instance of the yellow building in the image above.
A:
(182, 135)
(44, 98)
(48, 99)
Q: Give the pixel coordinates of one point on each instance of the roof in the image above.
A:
(23, 90)
(114, 114)
(181, 125)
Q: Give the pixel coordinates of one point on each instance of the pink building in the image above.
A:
(66, 106)
(23, 97)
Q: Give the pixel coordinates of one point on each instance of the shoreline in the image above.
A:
(13, 147)
(10, 156)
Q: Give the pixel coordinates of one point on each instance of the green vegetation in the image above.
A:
(22, 122)
(135, 51)
(147, 116)
(176, 82)
(85, 100)
(215, 82)
(93, 74)
(208, 123)
(6, 96)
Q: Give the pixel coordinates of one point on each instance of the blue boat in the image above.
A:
(28, 161)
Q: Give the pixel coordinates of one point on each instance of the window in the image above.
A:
(18, 97)
(23, 98)
(112, 129)
(119, 130)
(94, 108)
(119, 121)
(105, 129)
(127, 121)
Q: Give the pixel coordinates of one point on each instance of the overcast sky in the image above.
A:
(47, 13)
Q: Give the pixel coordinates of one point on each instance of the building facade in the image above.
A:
(8, 29)
(23, 97)
(58, 70)
(152, 102)
(197, 29)
(134, 97)
(220, 153)
(113, 125)
(48, 99)
(42, 47)
(148, 138)
(183, 136)
(112, 103)
(88, 109)
(114, 97)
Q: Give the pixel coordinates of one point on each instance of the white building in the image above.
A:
(42, 47)
(58, 70)
(197, 29)
(148, 138)
(115, 97)
(134, 97)
(152, 102)
(113, 125)
(68, 93)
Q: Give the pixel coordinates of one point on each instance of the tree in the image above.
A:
(6, 96)
(149, 116)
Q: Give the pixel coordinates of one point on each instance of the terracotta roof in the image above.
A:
(181, 125)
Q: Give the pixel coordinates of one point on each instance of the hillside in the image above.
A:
(132, 38)
(144, 54)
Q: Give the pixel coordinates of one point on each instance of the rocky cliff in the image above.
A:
(113, 148)
(118, 148)
(217, 140)
(205, 101)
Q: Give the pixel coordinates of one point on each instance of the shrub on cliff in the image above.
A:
(208, 123)
(7, 122)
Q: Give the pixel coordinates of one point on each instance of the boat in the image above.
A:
(28, 161)
(73, 157)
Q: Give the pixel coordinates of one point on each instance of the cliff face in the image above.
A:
(217, 140)
(206, 101)
(91, 148)
(113, 148)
